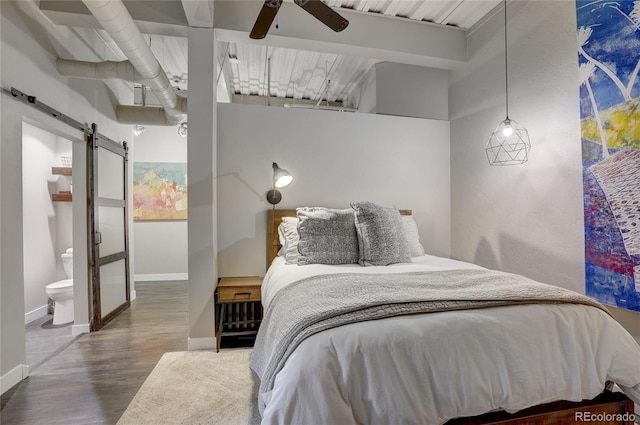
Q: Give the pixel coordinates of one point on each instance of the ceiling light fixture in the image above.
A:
(509, 143)
(138, 129)
(182, 129)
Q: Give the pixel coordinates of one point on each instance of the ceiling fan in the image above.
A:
(317, 8)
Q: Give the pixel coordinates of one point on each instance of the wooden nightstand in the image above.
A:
(238, 306)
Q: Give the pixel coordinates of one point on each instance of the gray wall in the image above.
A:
(411, 91)
(336, 158)
(404, 90)
(355, 147)
(161, 246)
(528, 218)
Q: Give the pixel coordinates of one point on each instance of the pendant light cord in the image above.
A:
(506, 60)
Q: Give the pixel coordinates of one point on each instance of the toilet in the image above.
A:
(61, 292)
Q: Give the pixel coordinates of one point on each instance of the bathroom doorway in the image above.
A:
(48, 233)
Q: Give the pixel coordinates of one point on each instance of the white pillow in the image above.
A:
(412, 235)
(288, 236)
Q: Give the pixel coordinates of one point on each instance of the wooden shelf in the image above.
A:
(62, 171)
(61, 197)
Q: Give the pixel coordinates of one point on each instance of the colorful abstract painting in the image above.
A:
(159, 191)
(609, 66)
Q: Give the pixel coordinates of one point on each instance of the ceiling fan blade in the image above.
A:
(265, 18)
(324, 14)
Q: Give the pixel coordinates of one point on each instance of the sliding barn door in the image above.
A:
(109, 256)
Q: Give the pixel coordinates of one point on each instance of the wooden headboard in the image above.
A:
(274, 218)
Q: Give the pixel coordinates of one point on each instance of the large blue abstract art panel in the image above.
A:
(609, 64)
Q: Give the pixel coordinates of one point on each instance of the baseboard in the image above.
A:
(133, 295)
(14, 376)
(208, 343)
(160, 276)
(80, 329)
(36, 314)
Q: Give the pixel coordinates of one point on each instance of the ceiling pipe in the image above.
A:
(99, 70)
(116, 20)
(147, 115)
(123, 70)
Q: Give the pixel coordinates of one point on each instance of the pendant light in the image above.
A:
(509, 143)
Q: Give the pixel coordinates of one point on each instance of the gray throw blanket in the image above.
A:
(314, 304)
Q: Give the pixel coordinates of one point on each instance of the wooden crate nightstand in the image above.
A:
(238, 306)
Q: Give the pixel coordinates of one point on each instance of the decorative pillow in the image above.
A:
(288, 235)
(413, 237)
(380, 235)
(327, 236)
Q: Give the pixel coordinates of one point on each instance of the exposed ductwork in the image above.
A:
(99, 70)
(125, 71)
(148, 115)
(142, 67)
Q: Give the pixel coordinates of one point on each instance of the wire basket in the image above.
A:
(67, 161)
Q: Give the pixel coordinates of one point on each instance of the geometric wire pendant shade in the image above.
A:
(509, 143)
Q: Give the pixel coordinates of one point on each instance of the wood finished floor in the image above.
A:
(94, 379)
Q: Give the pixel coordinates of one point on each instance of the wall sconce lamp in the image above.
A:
(281, 178)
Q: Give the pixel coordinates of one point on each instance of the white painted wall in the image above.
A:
(203, 202)
(366, 93)
(335, 158)
(404, 90)
(525, 218)
(411, 91)
(64, 210)
(39, 225)
(28, 63)
(529, 218)
(161, 246)
(47, 225)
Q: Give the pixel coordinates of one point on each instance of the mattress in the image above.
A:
(429, 368)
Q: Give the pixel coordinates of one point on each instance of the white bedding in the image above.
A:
(428, 368)
(280, 274)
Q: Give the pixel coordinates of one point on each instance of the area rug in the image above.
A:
(197, 388)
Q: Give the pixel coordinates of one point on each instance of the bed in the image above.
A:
(533, 361)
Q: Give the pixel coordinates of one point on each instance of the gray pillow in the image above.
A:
(327, 236)
(381, 236)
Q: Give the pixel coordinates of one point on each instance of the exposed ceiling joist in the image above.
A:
(304, 54)
(395, 40)
(163, 17)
